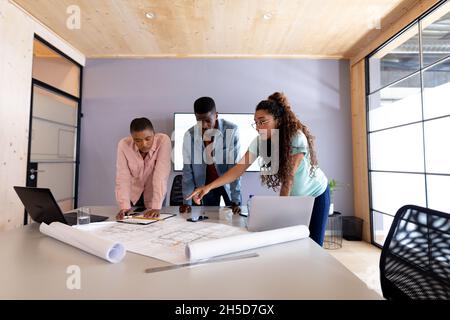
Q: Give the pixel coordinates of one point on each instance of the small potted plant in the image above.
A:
(332, 184)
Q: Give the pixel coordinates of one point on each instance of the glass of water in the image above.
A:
(84, 215)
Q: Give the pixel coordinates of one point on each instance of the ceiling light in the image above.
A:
(267, 16)
(150, 15)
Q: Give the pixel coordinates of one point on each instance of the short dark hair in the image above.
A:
(204, 105)
(141, 124)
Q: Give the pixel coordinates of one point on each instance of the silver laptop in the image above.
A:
(273, 212)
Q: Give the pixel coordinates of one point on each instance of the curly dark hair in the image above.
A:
(288, 124)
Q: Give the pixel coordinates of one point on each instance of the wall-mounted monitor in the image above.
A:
(184, 121)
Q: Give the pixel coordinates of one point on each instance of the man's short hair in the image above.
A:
(141, 124)
(204, 105)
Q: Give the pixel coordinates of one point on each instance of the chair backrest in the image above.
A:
(176, 193)
(415, 260)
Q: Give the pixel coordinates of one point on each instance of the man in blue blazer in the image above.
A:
(210, 148)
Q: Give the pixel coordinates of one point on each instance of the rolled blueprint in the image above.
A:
(211, 248)
(103, 248)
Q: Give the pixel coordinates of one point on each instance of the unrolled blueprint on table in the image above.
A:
(165, 240)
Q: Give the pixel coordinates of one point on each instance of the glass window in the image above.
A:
(54, 107)
(396, 60)
(437, 144)
(54, 69)
(408, 120)
(399, 149)
(436, 37)
(391, 191)
(395, 105)
(437, 188)
(436, 94)
(63, 186)
(381, 225)
(54, 133)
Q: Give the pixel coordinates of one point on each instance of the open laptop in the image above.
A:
(273, 212)
(42, 207)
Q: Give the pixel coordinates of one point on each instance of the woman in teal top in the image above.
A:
(288, 161)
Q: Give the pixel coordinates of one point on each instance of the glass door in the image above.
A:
(54, 125)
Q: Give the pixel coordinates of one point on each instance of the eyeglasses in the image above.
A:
(259, 123)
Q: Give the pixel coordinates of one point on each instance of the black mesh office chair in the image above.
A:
(176, 194)
(415, 260)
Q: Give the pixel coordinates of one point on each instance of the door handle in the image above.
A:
(36, 171)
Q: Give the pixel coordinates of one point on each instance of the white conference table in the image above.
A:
(34, 266)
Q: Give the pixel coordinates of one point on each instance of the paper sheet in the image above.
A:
(103, 248)
(165, 240)
(177, 241)
(199, 250)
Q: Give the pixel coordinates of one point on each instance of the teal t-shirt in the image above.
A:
(304, 184)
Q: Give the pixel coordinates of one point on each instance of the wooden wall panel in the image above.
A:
(359, 141)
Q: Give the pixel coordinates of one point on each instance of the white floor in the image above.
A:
(362, 259)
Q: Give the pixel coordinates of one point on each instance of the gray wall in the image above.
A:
(117, 90)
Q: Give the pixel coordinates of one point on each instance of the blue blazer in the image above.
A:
(226, 152)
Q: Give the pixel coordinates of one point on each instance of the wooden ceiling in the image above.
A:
(220, 28)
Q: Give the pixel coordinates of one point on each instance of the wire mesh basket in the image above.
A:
(333, 232)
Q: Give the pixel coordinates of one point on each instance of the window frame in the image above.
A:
(368, 92)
